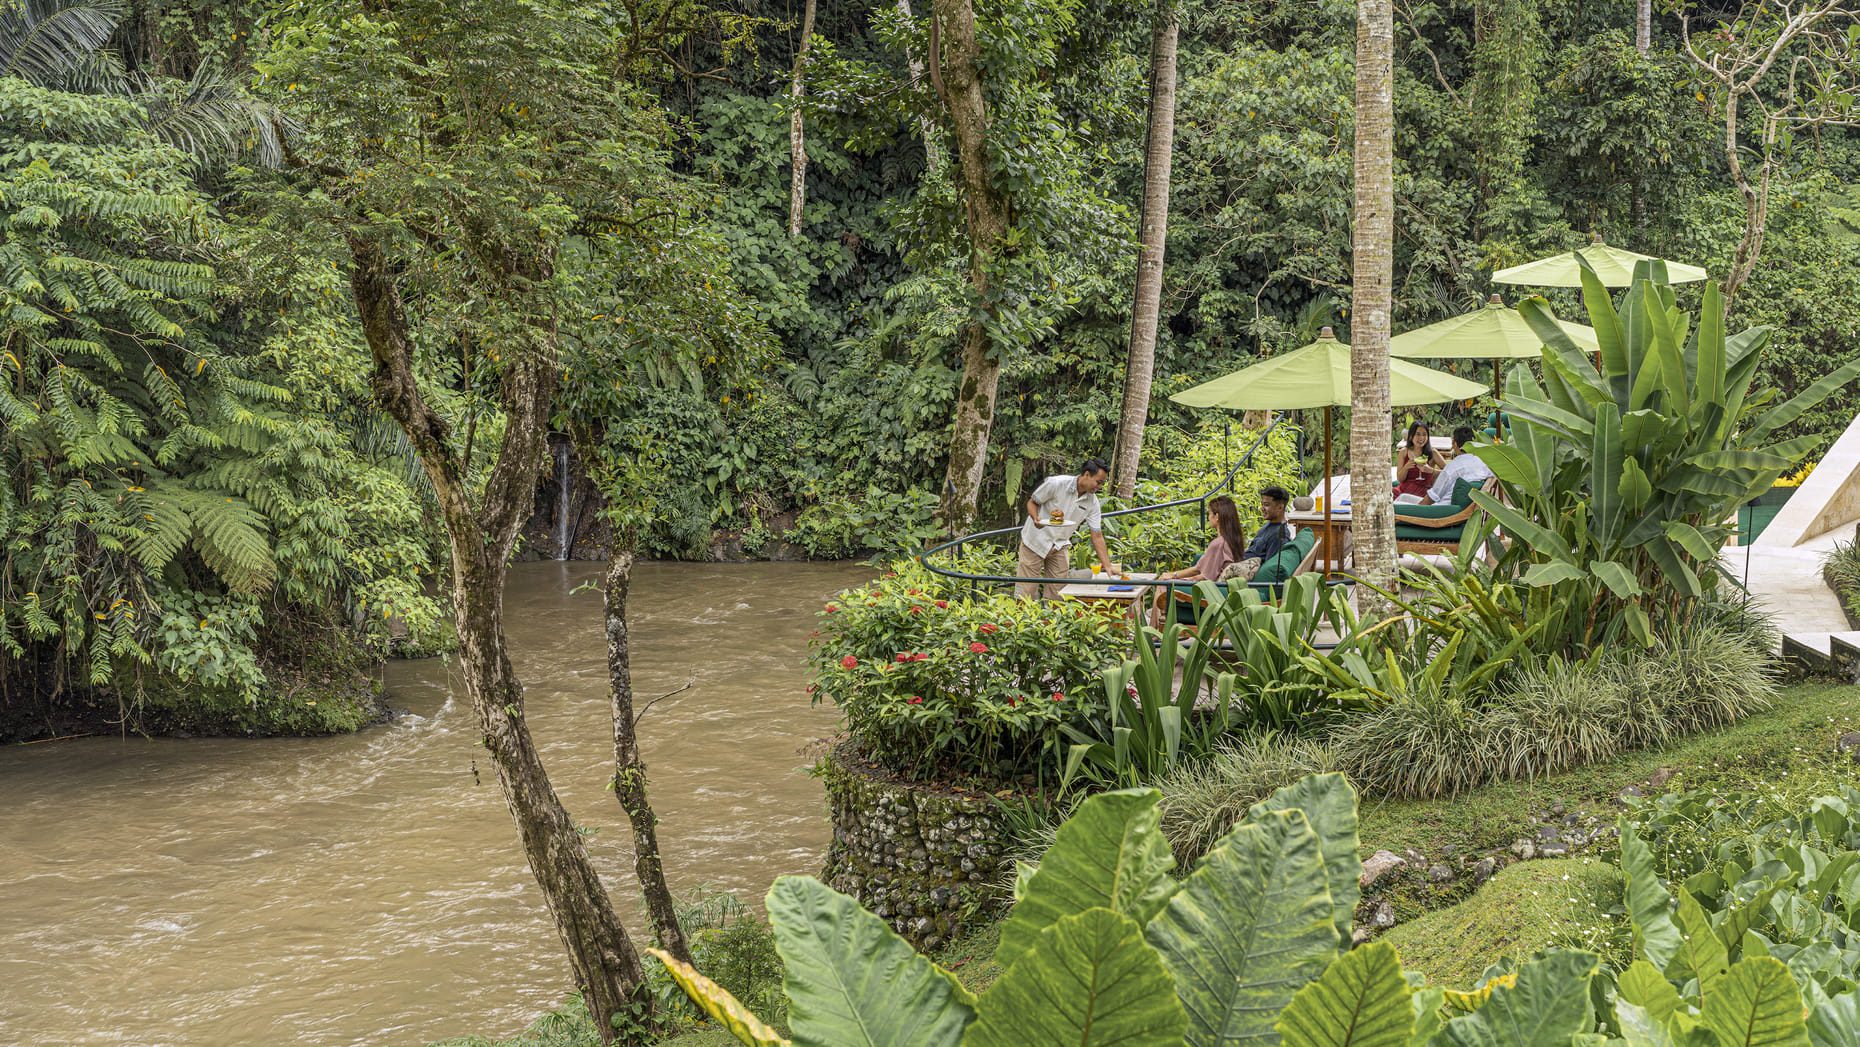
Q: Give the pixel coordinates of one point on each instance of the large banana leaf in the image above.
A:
(1362, 1000)
(1757, 1005)
(1547, 1005)
(1249, 927)
(1329, 803)
(851, 981)
(716, 1001)
(1090, 981)
(1777, 417)
(1109, 855)
(1605, 476)
(1710, 345)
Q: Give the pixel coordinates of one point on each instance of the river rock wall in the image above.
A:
(930, 860)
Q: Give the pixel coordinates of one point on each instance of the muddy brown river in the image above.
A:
(369, 889)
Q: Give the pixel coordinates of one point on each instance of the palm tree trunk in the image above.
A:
(1373, 259)
(1140, 365)
(957, 79)
(797, 134)
(629, 769)
(1643, 26)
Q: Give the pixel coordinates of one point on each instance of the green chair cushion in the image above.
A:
(1416, 533)
(1462, 492)
(1280, 566)
(1426, 512)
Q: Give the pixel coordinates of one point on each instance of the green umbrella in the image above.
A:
(1492, 332)
(1318, 375)
(1614, 265)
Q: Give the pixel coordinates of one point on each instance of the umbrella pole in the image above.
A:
(1329, 547)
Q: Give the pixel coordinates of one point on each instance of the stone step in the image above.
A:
(1813, 652)
(1844, 651)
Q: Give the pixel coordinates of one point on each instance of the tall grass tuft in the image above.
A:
(1426, 743)
(1554, 717)
(1713, 676)
(1842, 570)
(1202, 801)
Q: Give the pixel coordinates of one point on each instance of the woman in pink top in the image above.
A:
(1228, 544)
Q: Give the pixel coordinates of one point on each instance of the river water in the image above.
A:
(370, 888)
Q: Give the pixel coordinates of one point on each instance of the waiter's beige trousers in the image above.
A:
(1055, 564)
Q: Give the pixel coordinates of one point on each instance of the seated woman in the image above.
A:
(1418, 463)
(1226, 558)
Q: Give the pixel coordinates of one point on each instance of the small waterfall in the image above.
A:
(561, 500)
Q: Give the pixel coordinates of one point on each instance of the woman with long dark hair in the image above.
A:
(1419, 463)
(1229, 555)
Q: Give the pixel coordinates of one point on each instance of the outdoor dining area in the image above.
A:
(1318, 375)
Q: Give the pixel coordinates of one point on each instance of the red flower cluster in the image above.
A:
(1057, 697)
(917, 610)
(988, 627)
(849, 662)
(915, 699)
(942, 604)
(978, 648)
(912, 656)
(833, 608)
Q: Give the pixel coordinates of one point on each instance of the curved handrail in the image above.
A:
(1226, 483)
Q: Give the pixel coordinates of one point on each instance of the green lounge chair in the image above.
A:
(1435, 530)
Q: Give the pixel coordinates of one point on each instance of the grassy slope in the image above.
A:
(1788, 749)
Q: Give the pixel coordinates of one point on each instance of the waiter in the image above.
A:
(1063, 499)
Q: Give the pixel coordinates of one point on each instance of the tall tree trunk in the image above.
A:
(797, 133)
(601, 957)
(1153, 234)
(933, 148)
(629, 769)
(1373, 261)
(957, 79)
(1643, 26)
(1756, 196)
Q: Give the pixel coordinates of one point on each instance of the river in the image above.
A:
(369, 889)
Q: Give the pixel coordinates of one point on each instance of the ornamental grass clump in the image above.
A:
(934, 685)
(1203, 801)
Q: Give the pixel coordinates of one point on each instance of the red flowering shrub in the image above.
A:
(925, 698)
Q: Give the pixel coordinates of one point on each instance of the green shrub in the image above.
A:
(1842, 569)
(1429, 743)
(1202, 801)
(841, 524)
(932, 683)
(1553, 717)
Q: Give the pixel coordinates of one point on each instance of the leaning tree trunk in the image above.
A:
(1373, 259)
(629, 769)
(1756, 195)
(605, 966)
(1153, 233)
(957, 80)
(1643, 26)
(797, 132)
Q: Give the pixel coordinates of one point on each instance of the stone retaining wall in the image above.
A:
(929, 859)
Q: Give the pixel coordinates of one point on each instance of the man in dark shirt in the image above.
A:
(1273, 534)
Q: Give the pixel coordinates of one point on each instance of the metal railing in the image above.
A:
(955, 546)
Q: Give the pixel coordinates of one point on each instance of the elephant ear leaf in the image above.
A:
(1249, 927)
(1757, 1005)
(1329, 804)
(851, 981)
(717, 1002)
(1089, 980)
(1835, 1021)
(1361, 1000)
(1549, 1004)
(1109, 855)
(1650, 907)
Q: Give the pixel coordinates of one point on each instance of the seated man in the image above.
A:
(1219, 563)
(1464, 465)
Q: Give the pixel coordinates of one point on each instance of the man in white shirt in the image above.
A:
(1462, 466)
(1042, 553)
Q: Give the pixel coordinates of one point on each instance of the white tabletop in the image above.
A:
(1102, 590)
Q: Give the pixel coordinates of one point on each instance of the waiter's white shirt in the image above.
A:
(1060, 492)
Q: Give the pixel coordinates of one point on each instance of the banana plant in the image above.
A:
(1621, 481)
